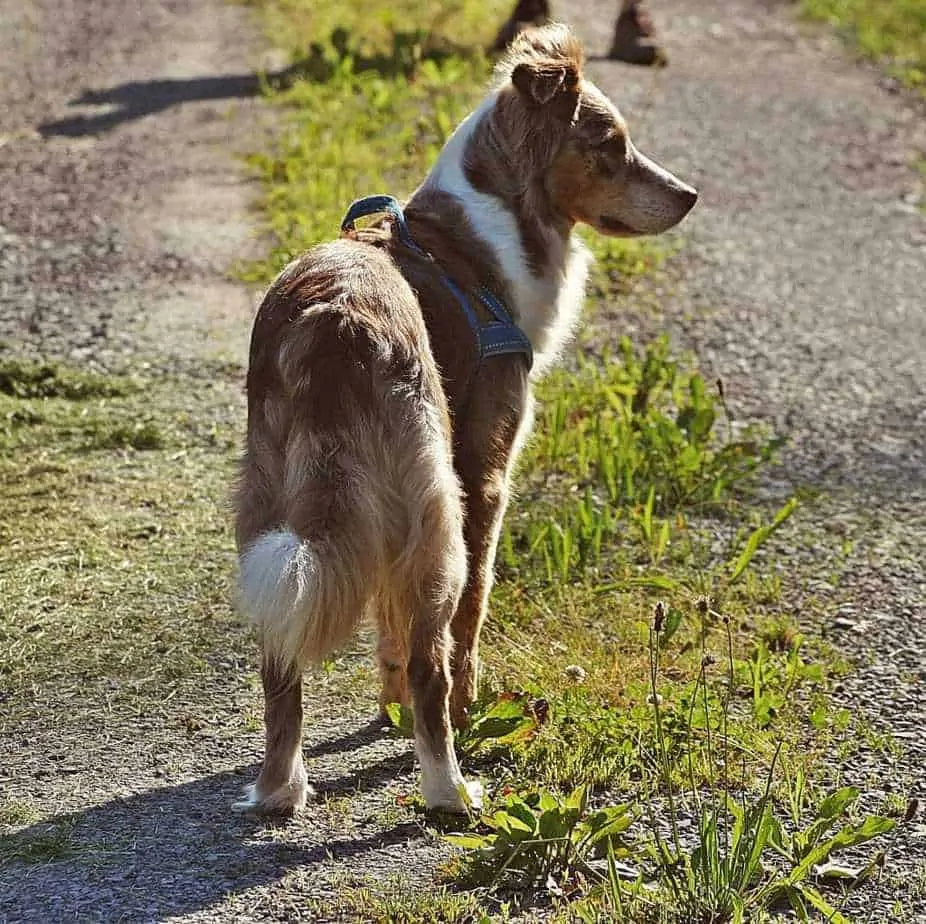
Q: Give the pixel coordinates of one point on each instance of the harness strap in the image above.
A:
(497, 337)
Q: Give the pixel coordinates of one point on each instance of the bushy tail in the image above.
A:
(293, 598)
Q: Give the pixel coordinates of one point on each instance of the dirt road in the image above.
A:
(802, 285)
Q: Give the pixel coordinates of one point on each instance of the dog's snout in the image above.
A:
(689, 197)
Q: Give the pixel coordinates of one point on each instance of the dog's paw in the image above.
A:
(287, 799)
(475, 793)
(462, 799)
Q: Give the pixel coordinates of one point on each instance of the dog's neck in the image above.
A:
(542, 264)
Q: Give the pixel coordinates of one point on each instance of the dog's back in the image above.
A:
(347, 473)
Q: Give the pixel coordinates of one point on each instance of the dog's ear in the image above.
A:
(549, 83)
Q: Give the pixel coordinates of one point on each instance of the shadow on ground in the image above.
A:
(179, 849)
(140, 98)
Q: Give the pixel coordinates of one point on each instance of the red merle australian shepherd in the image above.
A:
(389, 390)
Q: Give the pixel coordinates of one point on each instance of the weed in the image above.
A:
(739, 859)
(543, 838)
(757, 537)
(638, 435)
(505, 721)
(726, 876)
(637, 424)
(27, 379)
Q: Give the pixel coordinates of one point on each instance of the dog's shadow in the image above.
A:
(179, 849)
(139, 98)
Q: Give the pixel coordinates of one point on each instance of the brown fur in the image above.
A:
(379, 451)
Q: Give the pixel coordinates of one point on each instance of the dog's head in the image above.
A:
(591, 171)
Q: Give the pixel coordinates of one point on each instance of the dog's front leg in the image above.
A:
(485, 510)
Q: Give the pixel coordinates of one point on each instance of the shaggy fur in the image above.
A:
(379, 451)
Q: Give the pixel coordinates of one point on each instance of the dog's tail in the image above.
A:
(294, 592)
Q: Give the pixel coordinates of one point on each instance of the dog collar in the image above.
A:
(496, 337)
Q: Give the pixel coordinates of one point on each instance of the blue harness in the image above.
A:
(495, 337)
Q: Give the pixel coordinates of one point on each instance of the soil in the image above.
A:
(801, 284)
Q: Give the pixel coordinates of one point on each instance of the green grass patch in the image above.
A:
(15, 812)
(42, 844)
(29, 379)
(394, 902)
(118, 556)
(890, 31)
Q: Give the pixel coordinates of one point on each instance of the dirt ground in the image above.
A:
(802, 284)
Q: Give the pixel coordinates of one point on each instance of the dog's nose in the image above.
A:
(689, 197)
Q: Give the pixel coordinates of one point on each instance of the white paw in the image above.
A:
(249, 800)
(461, 799)
(475, 792)
(289, 798)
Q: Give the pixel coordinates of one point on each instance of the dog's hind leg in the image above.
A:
(303, 584)
(426, 584)
(282, 786)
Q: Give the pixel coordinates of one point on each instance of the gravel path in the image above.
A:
(122, 207)
(803, 286)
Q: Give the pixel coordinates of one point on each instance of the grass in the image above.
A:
(749, 851)
(134, 553)
(17, 812)
(22, 379)
(392, 902)
(54, 841)
(889, 31)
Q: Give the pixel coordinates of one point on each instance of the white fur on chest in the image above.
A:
(546, 305)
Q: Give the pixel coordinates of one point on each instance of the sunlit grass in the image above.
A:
(890, 31)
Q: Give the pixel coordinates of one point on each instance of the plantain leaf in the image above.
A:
(758, 536)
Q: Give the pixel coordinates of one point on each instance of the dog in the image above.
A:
(389, 392)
